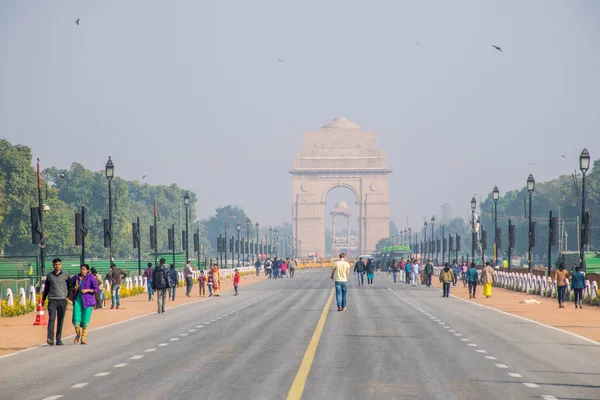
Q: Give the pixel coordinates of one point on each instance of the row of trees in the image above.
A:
(66, 191)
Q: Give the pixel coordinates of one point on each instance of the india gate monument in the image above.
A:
(339, 154)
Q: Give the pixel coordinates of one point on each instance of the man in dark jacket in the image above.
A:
(173, 282)
(359, 268)
(160, 283)
(370, 268)
(57, 289)
(428, 273)
(257, 266)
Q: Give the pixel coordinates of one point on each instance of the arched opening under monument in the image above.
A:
(341, 212)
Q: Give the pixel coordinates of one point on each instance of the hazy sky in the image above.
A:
(192, 91)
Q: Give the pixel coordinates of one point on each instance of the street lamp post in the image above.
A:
(584, 166)
(530, 189)
(432, 239)
(110, 173)
(424, 239)
(256, 226)
(276, 233)
(247, 238)
(473, 206)
(409, 237)
(238, 227)
(270, 246)
(186, 203)
(496, 196)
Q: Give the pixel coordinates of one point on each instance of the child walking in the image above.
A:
(211, 282)
(236, 281)
(202, 284)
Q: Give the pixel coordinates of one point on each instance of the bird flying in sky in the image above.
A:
(563, 156)
(280, 60)
(144, 177)
(496, 47)
(77, 22)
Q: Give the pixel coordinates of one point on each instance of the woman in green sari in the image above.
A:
(85, 287)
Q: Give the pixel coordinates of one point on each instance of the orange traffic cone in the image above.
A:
(40, 319)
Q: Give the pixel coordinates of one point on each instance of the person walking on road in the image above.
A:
(472, 276)
(257, 267)
(85, 287)
(115, 276)
(236, 281)
(276, 267)
(577, 285)
(268, 268)
(202, 284)
(395, 270)
(100, 293)
(463, 273)
(370, 268)
(487, 278)
(455, 271)
(284, 267)
(407, 269)
(188, 275)
(161, 282)
(211, 284)
(57, 288)
(339, 274)
(216, 281)
(414, 273)
(428, 273)
(559, 278)
(292, 267)
(446, 277)
(173, 282)
(148, 273)
(359, 268)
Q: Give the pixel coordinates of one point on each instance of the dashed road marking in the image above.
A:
(150, 350)
(501, 365)
(472, 345)
(137, 357)
(465, 340)
(446, 327)
(79, 385)
(491, 358)
(548, 397)
(173, 339)
(163, 344)
(530, 385)
(515, 375)
(213, 320)
(199, 326)
(481, 351)
(54, 397)
(192, 330)
(120, 365)
(183, 334)
(452, 330)
(100, 374)
(458, 334)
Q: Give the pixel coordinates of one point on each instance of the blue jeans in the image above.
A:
(150, 290)
(395, 275)
(341, 288)
(116, 295)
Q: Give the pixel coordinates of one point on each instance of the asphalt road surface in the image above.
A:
(283, 339)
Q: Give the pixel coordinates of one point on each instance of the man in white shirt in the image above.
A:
(188, 274)
(339, 274)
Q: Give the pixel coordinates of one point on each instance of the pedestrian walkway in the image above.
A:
(585, 322)
(18, 333)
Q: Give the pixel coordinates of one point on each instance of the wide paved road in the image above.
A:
(393, 342)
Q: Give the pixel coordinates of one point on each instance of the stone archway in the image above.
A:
(339, 154)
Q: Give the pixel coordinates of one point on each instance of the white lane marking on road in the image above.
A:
(173, 339)
(491, 358)
(213, 320)
(79, 385)
(199, 326)
(458, 334)
(530, 385)
(192, 330)
(432, 317)
(137, 357)
(501, 365)
(529, 320)
(150, 350)
(446, 327)
(163, 344)
(53, 397)
(465, 340)
(548, 397)
(99, 374)
(515, 375)
(120, 365)
(472, 345)
(452, 331)
(224, 315)
(207, 322)
(481, 351)
(183, 334)
(441, 323)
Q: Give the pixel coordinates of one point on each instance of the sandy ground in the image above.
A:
(18, 333)
(584, 322)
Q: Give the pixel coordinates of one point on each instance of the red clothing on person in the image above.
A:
(236, 279)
